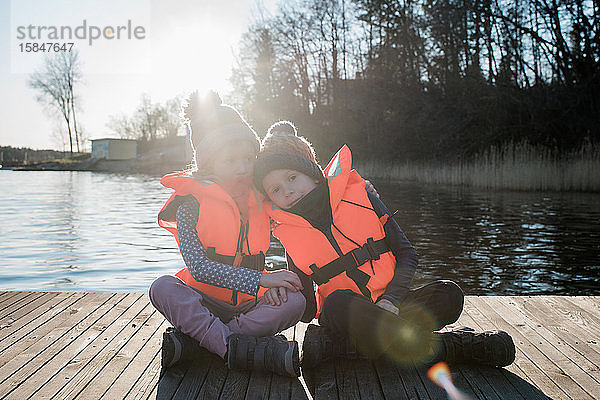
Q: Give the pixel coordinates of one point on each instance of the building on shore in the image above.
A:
(114, 149)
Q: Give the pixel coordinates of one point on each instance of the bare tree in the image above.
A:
(150, 121)
(168, 116)
(59, 137)
(55, 85)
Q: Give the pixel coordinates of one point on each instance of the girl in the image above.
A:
(222, 231)
(345, 240)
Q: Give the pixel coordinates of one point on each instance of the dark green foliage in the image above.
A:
(14, 156)
(424, 79)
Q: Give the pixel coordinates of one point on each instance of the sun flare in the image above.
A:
(193, 55)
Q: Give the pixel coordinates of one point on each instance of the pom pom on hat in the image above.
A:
(282, 137)
(214, 125)
(201, 107)
(282, 128)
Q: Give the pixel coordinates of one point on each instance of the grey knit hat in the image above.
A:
(283, 149)
(214, 125)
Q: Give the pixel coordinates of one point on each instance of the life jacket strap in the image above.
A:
(252, 261)
(349, 263)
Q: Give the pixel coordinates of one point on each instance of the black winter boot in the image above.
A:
(492, 348)
(269, 353)
(318, 346)
(178, 347)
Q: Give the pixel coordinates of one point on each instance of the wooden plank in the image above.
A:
(146, 386)
(500, 383)
(6, 295)
(526, 389)
(63, 369)
(573, 315)
(169, 382)
(19, 339)
(22, 311)
(298, 389)
(193, 379)
(593, 301)
(235, 386)
(44, 328)
(389, 381)
(530, 369)
(536, 353)
(19, 299)
(280, 387)
(53, 329)
(461, 383)
(65, 346)
(142, 361)
(586, 310)
(24, 364)
(512, 374)
(214, 380)
(554, 347)
(19, 308)
(368, 382)
(589, 304)
(299, 331)
(346, 379)
(474, 384)
(321, 381)
(153, 394)
(434, 391)
(26, 321)
(480, 386)
(548, 321)
(122, 340)
(259, 385)
(412, 382)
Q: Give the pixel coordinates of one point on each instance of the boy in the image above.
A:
(345, 240)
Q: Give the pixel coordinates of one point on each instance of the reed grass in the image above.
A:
(515, 166)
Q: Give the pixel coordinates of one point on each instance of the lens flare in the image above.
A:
(408, 337)
(440, 375)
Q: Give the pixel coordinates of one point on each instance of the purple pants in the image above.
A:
(210, 321)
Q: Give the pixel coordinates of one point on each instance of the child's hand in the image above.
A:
(370, 188)
(276, 295)
(281, 278)
(388, 306)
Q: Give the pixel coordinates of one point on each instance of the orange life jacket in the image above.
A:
(366, 264)
(220, 228)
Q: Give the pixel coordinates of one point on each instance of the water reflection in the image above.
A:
(83, 231)
(91, 231)
(501, 242)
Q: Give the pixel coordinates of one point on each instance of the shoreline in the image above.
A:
(150, 166)
(553, 176)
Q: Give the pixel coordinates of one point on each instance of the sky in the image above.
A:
(181, 45)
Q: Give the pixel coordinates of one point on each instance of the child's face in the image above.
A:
(286, 186)
(234, 163)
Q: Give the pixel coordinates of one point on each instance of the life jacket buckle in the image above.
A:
(371, 249)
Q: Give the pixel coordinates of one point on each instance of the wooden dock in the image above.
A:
(68, 345)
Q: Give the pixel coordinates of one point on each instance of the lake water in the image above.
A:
(88, 231)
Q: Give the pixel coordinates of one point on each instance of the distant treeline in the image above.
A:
(426, 80)
(13, 156)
